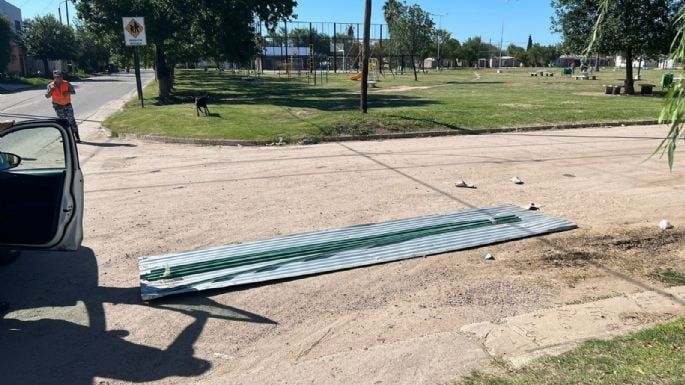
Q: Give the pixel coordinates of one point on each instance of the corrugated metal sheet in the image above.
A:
(337, 249)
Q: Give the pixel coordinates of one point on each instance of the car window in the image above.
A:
(39, 148)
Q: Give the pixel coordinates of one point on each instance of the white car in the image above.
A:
(41, 188)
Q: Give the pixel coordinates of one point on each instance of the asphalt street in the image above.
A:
(91, 95)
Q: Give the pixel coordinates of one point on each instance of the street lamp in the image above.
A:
(438, 36)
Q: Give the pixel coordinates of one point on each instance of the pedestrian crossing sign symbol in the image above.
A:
(134, 28)
(134, 31)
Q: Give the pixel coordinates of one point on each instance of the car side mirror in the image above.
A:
(9, 161)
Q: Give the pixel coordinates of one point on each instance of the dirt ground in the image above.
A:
(80, 317)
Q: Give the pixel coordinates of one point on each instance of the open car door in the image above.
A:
(41, 187)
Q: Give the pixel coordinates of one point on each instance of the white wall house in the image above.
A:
(647, 63)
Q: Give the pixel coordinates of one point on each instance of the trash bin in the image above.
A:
(608, 89)
(666, 80)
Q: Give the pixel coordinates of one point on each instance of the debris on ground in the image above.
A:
(516, 180)
(306, 141)
(489, 257)
(532, 207)
(665, 225)
(463, 184)
(332, 250)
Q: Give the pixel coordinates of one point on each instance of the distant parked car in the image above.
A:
(41, 188)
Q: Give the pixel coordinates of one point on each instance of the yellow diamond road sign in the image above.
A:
(134, 31)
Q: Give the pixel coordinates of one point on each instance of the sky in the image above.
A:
(463, 18)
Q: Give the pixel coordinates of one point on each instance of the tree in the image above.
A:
(411, 27)
(441, 37)
(470, 50)
(674, 110)
(95, 49)
(451, 50)
(530, 43)
(629, 27)
(6, 37)
(518, 52)
(219, 29)
(302, 37)
(48, 39)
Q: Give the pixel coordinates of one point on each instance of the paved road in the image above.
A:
(91, 95)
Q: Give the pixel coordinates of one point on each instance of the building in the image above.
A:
(577, 60)
(507, 62)
(17, 65)
(285, 57)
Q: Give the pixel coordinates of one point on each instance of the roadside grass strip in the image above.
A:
(338, 249)
(273, 108)
(652, 356)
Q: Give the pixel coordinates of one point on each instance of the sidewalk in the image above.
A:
(14, 87)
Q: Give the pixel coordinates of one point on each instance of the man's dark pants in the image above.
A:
(67, 112)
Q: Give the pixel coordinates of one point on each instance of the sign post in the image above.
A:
(135, 36)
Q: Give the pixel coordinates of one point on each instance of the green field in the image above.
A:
(653, 356)
(273, 106)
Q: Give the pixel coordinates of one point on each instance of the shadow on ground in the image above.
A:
(226, 89)
(55, 330)
(106, 144)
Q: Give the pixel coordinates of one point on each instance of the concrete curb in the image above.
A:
(403, 135)
(523, 338)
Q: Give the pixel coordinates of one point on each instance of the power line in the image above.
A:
(50, 4)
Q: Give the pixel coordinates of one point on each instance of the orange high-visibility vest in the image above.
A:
(61, 94)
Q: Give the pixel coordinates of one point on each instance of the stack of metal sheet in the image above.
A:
(331, 250)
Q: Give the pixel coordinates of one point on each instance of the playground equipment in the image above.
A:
(356, 76)
(373, 71)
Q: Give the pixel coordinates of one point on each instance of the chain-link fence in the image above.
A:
(298, 46)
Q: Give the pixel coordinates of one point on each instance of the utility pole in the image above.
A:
(438, 35)
(365, 57)
(501, 41)
(66, 8)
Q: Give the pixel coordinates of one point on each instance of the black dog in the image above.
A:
(201, 105)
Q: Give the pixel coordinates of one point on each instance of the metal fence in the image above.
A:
(332, 46)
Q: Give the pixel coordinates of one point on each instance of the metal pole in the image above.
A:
(139, 85)
(287, 70)
(59, 12)
(501, 41)
(66, 6)
(311, 53)
(380, 53)
(335, 49)
(439, 37)
(365, 57)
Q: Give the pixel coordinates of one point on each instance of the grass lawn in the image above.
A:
(273, 106)
(653, 356)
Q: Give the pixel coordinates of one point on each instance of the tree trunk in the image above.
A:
(365, 58)
(413, 65)
(46, 67)
(597, 62)
(629, 82)
(164, 79)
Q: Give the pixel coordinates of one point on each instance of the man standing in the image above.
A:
(61, 90)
